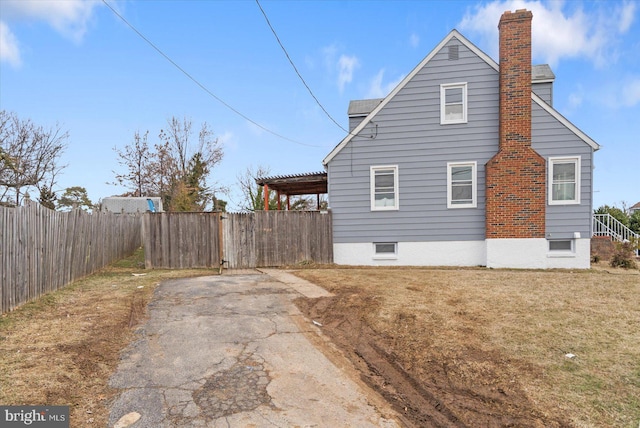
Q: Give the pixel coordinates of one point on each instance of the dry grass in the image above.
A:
(62, 348)
(511, 326)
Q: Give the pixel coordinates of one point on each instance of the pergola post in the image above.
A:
(292, 185)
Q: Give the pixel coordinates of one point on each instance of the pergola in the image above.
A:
(314, 183)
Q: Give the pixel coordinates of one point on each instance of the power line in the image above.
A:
(204, 88)
(296, 69)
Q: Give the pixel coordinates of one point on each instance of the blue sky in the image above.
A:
(77, 64)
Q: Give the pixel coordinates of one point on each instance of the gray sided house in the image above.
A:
(409, 184)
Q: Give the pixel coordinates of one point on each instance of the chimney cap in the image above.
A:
(519, 14)
(508, 12)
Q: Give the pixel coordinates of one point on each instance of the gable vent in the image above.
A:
(453, 52)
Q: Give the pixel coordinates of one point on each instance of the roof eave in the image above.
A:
(402, 84)
(556, 114)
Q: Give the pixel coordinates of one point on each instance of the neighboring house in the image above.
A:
(464, 163)
(634, 208)
(124, 204)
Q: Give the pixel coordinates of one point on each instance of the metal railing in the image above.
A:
(607, 225)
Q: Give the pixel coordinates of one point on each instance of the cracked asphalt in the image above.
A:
(234, 351)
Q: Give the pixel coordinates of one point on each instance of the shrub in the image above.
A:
(624, 255)
(634, 222)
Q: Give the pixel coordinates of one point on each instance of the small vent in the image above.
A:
(453, 52)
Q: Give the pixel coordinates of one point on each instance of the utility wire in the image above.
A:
(204, 88)
(296, 69)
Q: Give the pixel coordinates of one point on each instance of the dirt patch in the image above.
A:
(463, 388)
(466, 348)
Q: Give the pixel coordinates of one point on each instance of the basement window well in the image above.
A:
(561, 247)
(385, 250)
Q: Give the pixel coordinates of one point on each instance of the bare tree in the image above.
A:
(177, 141)
(138, 160)
(252, 196)
(29, 157)
(177, 168)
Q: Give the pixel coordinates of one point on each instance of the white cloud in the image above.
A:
(414, 40)
(575, 100)
(379, 90)
(339, 63)
(346, 66)
(9, 50)
(67, 17)
(228, 140)
(309, 62)
(557, 32)
(257, 129)
(631, 93)
(627, 15)
(329, 53)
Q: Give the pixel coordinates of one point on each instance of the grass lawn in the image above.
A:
(560, 346)
(62, 348)
(488, 346)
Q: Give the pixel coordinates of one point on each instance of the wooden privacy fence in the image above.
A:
(181, 240)
(248, 240)
(43, 250)
(277, 238)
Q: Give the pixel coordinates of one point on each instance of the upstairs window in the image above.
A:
(564, 181)
(462, 185)
(384, 188)
(453, 103)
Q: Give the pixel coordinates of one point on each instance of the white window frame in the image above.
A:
(576, 160)
(396, 198)
(386, 255)
(443, 99)
(474, 185)
(561, 252)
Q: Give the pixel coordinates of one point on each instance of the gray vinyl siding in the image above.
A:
(552, 139)
(544, 91)
(355, 121)
(407, 133)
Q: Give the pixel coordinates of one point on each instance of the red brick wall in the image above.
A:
(516, 175)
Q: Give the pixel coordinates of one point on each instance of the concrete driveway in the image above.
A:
(234, 351)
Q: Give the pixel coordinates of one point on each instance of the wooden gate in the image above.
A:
(181, 240)
(247, 240)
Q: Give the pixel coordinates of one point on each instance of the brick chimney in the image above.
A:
(516, 175)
